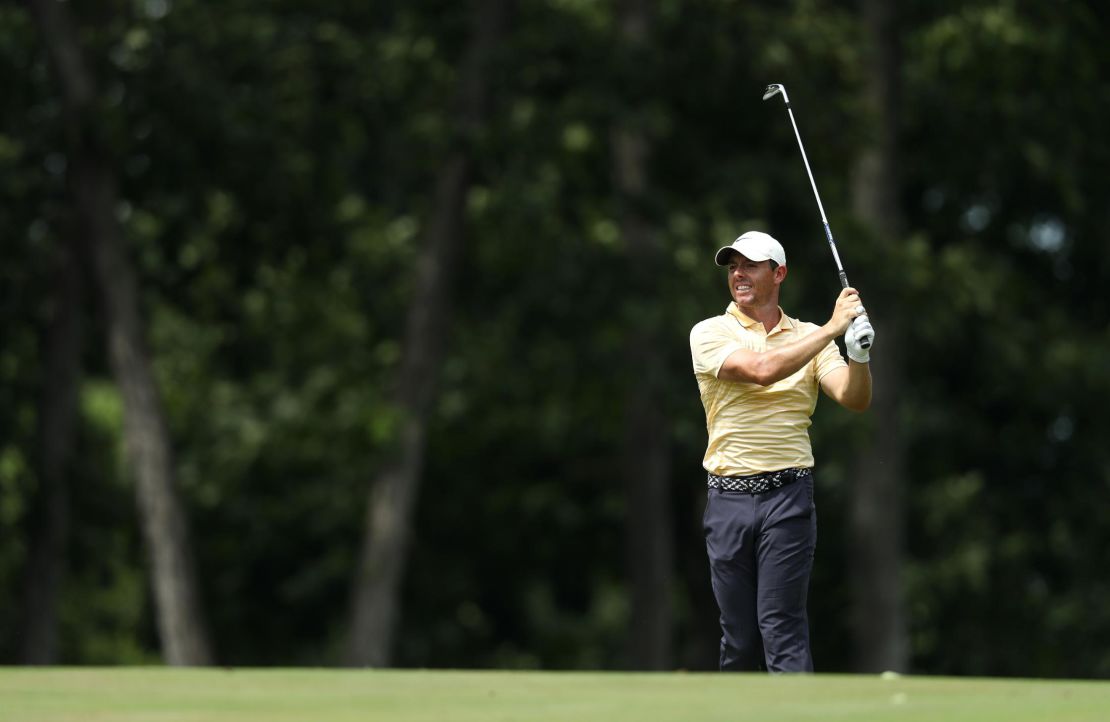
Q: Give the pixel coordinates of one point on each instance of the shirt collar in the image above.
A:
(785, 322)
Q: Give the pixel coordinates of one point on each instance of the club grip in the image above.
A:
(864, 341)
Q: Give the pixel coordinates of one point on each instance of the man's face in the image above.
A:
(753, 283)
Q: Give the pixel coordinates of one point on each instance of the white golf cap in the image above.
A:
(755, 246)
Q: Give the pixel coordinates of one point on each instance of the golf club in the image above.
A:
(771, 91)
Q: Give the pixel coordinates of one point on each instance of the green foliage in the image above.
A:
(276, 165)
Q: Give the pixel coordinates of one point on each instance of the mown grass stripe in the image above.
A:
(325, 695)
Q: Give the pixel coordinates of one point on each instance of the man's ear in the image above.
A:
(780, 274)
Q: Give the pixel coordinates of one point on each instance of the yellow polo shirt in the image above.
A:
(753, 428)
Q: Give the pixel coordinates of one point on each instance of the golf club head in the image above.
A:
(773, 90)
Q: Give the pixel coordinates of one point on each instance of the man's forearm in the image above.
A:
(770, 366)
(857, 392)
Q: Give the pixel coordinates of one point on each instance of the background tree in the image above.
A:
(877, 498)
(57, 418)
(645, 460)
(92, 184)
(274, 169)
(393, 492)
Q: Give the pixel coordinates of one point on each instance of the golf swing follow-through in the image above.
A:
(778, 89)
(759, 372)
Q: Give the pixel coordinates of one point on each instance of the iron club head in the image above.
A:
(775, 89)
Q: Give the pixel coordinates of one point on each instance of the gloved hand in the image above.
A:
(858, 328)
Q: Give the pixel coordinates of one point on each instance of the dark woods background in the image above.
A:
(345, 333)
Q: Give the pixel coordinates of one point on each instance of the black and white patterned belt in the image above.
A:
(759, 483)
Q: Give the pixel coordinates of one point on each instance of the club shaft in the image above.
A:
(820, 206)
(865, 341)
(809, 172)
(836, 256)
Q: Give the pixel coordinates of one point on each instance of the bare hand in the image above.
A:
(848, 306)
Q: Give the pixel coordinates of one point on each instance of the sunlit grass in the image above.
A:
(276, 695)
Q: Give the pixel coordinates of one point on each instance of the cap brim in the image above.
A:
(721, 259)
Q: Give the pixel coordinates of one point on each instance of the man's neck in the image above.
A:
(769, 315)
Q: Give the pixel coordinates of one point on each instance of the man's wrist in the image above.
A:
(830, 332)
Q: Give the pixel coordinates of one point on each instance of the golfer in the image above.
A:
(758, 371)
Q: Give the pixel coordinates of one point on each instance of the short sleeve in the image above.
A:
(829, 359)
(710, 345)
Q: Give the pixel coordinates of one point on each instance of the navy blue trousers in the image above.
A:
(760, 550)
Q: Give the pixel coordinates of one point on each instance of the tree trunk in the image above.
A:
(181, 628)
(57, 413)
(877, 509)
(393, 493)
(645, 458)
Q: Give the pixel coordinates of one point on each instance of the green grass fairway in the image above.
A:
(216, 695)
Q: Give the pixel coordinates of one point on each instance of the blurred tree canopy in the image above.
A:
(276, 167)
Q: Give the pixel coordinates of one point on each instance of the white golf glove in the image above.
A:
(857, 329)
